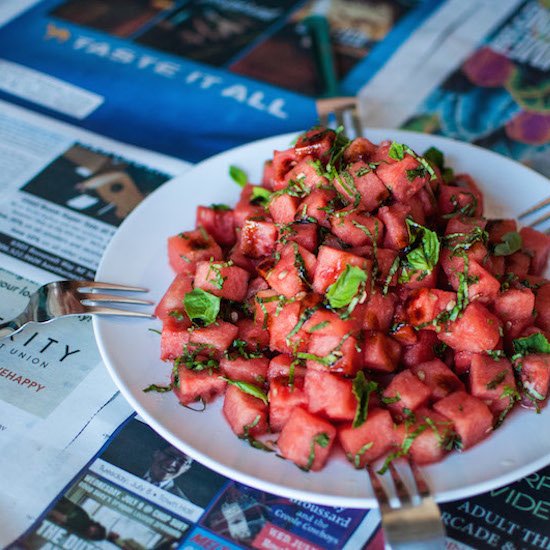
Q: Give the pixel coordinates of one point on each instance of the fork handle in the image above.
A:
(9, 327)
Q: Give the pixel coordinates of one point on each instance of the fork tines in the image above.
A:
(340, 111)
(93, 301)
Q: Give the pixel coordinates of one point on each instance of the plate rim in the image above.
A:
(251, 480)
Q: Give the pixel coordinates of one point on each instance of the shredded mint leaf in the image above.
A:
(397, 151)
(260, 195)
(159, 389)
(511, 242)
(250, 389)
(201, 306)
(346, 287)
(535, 343)
(238, 175)
(362, 388)
(322, 439)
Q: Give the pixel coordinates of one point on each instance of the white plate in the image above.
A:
(137, 255)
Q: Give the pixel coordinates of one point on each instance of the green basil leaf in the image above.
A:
(425, 255)
(260, 195)
(238, 175)
(535, 343)
(201, 306)
(511, 242)
(346, 287)
(250, 389)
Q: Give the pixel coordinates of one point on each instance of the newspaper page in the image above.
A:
(62, 493)
(57, 401)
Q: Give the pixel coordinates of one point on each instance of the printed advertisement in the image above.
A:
(109, 66)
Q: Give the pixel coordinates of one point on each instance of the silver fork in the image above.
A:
(61, 298)
(415, 522)
(542, 205)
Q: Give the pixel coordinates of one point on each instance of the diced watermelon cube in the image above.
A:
(331, 262)
(172, 342)
(305, 234)
(190, 385)
(306, 439)
(422, 350)
(356, 228)
(403, 178)
(220, 279)
(369, 441)
(378, 312)
(216, 337)
(330, 395)
(334, 354)
(293, 271)
(393, 217)
(283, 398)
(430, 434)
(381, 352)
(454, 199)
(462, 362)
(281, 326)
(170, 307)
(535, 377)
(537, 245)
(518, 263)
(246, 414)
(329, 323)
(498, 228)
(471, 417)
(476, 330)
(307, 173)
(283, 208)
(189, 247)
(252, 370)
(283, 161)
(282, 366)
(315, 205)
(253, 334)
(482, 285)
(514, 304)
(245, 208)
(258, 238)
(491, 381)
(315, 143)
(360, 149)
(363, 188)
(437, 376)
(425, 305)
(405, 393)
(218, 222)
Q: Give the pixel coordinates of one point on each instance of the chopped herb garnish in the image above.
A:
(346, 287)
(357, 458)
(221, 207)
(424, 255)
(248, 388)
(260, 195)
(201, 306)
(238, 176)
(498, 379)
(511, 242)
(159, 389)
(535, 343)
(322, 439)
(362, 388)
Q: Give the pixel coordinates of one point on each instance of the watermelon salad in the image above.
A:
(356, 298)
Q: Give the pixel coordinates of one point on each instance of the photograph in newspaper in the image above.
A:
(499, 98)
(252, 518)
(94, 513)
(155, 464)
